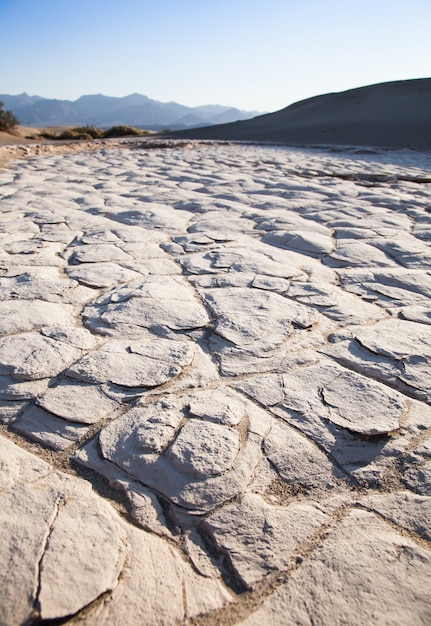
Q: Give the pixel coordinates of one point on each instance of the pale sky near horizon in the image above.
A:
(251, 54)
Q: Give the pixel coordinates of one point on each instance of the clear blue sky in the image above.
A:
(253, 54)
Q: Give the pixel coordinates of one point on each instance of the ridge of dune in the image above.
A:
(394, 114)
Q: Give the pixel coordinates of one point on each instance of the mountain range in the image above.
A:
(106, 111)
(394, 114)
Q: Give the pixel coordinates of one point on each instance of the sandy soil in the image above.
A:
(19, 136)
(22, 143)
(27, 135)
(19, 145)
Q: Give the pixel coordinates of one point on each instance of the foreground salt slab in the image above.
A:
(196, 463)
(52, 526)
(364, 555)
(145, 363)
(63, 547)
(231, 344)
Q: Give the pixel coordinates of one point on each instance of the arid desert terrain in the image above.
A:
(215, 385)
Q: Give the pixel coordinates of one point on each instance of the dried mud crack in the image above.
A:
(216, 358)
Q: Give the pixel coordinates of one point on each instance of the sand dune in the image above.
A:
(395, 115)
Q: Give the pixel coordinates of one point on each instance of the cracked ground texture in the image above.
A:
(215, 387)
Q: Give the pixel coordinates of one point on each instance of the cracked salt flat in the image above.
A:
(232, 345)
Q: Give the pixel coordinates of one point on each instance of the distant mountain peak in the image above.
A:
(99, 110)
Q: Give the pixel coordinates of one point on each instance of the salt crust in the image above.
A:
(238, 339)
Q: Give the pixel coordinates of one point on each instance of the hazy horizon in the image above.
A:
(250, 55)
(125, 95)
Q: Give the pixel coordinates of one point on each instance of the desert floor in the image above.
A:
(215, 385)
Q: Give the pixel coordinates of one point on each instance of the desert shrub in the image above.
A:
(91, 132)
(45, 135)
(123, 131)
(8, 121)
(81, 132)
